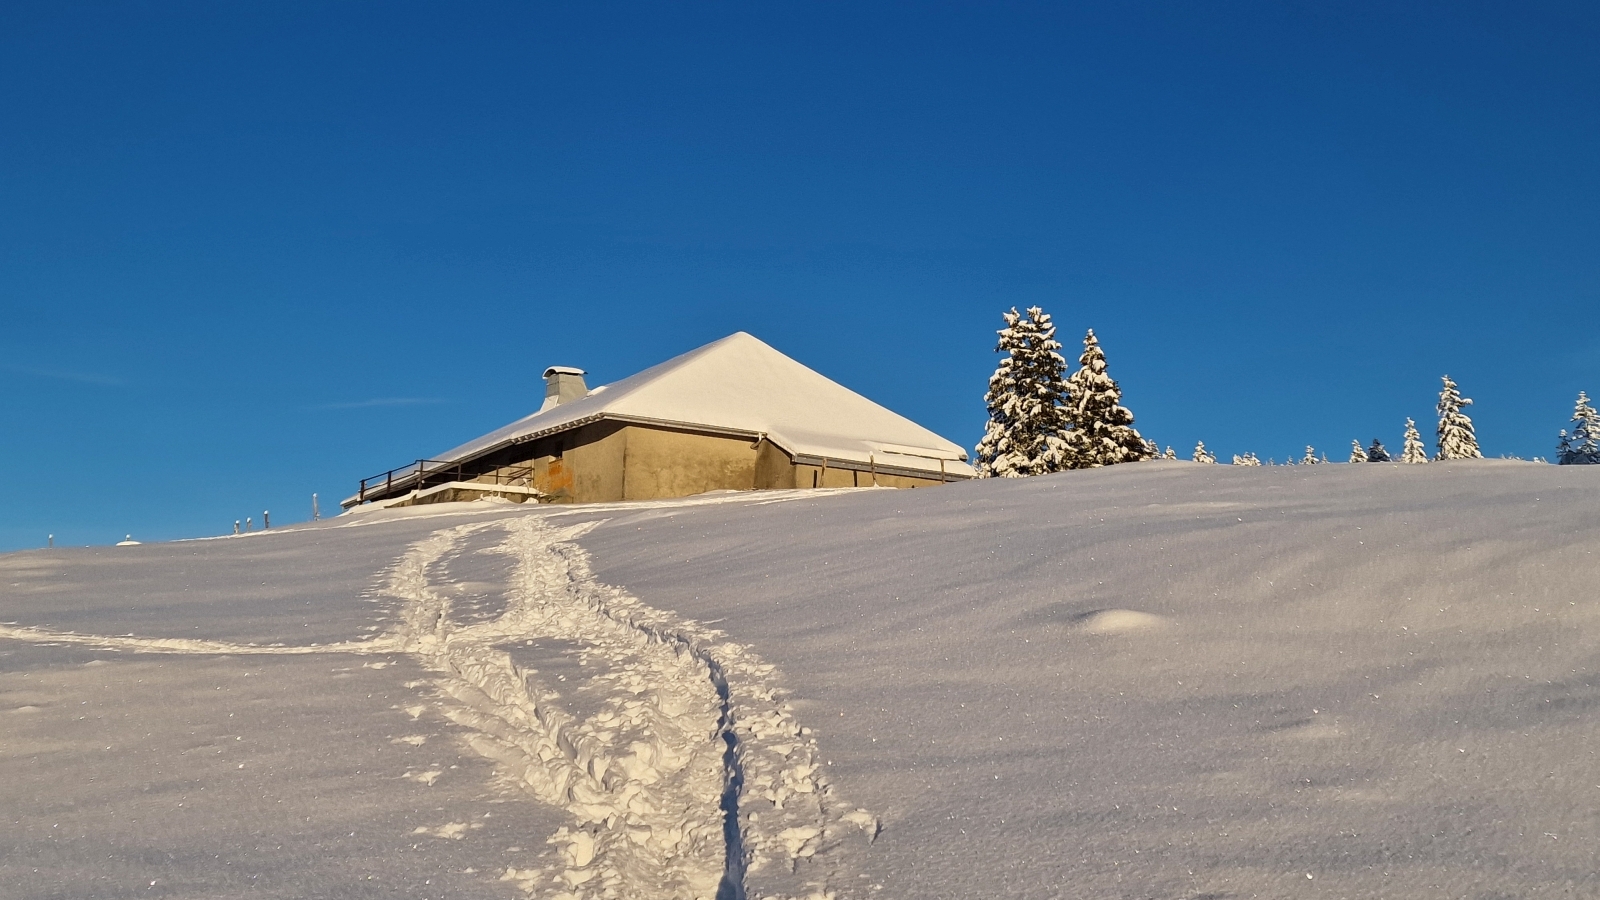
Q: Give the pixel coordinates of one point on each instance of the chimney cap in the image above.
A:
(563, 370)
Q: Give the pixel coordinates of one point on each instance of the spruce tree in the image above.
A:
(1582, 447)
(1202, 455)
(1310, 459)
(1413, 451)
(1247, 459)
(1025, 400)
(1378, 453)
(1356, 453)
(1101, 429)
(1456, 437)
(1169, 454)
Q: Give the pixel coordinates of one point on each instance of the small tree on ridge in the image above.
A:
(1413, 452)
(1582, 447)
(1457, 440)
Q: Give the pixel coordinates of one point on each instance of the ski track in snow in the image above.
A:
(692, 780)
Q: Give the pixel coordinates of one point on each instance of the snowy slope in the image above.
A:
(1160, 680)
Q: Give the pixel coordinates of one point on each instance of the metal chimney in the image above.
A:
(563, 384)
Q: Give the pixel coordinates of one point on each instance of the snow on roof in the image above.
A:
(740, 384)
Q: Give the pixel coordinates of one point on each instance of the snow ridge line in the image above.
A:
(191, 646)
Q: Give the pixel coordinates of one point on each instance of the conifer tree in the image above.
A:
(1356, 453)
(1456, 437)
(1169, 454)
(1582, 447)
(1025, 400)
(1247, 459)
(1202, 455)
(1101, 430)
(1310, 459)
(1378, 453)
(1413, 451)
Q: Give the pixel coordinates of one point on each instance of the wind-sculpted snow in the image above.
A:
(1159, 681)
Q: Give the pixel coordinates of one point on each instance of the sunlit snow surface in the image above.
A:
(1159, 680)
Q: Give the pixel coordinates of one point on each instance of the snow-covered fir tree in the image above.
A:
(1246, 459)
(1582, 446)
(1310, 459)
(1101, 431)
(1413, 451)
(1202, 455)
(1356, 453)
(1025, 399)
(1456, 437)
(1378, 453)
(1170, 454)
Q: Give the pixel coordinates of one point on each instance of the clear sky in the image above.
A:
(253, 251)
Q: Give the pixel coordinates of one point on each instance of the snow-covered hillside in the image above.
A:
(1159, 680)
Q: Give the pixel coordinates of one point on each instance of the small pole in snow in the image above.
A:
(247, 523)
(266, 520)
(235, 526)
(50, 541)
(315, 513)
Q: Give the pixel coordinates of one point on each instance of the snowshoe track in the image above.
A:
(692, 781)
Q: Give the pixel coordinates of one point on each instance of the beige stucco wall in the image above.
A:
(663, 463)
(774, 468)
(834, 477)
(598, 455)
(608, 461)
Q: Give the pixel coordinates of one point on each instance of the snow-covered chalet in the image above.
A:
(734, 414)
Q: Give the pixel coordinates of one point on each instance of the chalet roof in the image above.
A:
(740, 385)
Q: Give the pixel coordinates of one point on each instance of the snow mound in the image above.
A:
(1117, 621)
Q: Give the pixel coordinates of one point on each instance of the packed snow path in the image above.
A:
(693, 774)
(691, 779)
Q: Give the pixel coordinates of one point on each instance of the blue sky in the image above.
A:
(248, 252)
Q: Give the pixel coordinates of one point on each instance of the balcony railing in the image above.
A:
(425, 473)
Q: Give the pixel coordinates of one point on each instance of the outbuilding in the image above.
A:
(732, 415)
